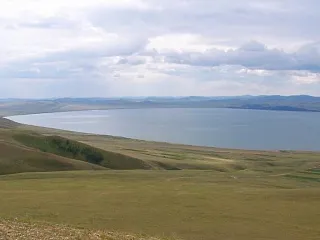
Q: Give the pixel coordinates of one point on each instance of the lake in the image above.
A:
(226, 128)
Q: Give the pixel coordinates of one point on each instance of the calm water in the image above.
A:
(228, 128)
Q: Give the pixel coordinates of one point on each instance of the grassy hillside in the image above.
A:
(219, 194)
(121, 153)
(203, 158)
(186, 204)
(72, 149)
(16, 159)
(7, 124)
(167, 156)
(27, 151)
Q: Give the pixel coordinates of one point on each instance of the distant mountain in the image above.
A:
(269, 102)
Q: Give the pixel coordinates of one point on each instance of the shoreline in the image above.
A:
(63, 132)
(102, 108)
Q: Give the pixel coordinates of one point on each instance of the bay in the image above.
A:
(226, 128)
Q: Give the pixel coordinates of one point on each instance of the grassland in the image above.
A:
(30, 151)
(75, 150)
(183, 204)
(172, 156)
(208, 194)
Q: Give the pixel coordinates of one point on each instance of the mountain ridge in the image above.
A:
(304, 103)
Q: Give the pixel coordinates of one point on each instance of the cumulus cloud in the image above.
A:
(138, 47)
(253, 55)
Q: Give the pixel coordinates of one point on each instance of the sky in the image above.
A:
(110, 48)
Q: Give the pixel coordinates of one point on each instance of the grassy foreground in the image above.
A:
(185, 204)
(215, 194)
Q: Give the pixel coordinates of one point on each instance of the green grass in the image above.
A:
(303, 178)
(202, 158)
(72, 149)
(186, 204)
(25, 151)
(314, 171)
(16, 159)
(120, 153)
(217, 194)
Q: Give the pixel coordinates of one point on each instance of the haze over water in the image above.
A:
(227, 128)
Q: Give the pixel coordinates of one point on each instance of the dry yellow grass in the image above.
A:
(190, 205)
(15, 230)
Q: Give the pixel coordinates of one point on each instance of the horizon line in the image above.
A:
(154, 96)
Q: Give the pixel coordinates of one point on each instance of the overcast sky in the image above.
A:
(95, 48)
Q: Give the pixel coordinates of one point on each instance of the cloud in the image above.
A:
(253, 55)
(159, 47)
(48, 23)
(303, 78)
(224, 21)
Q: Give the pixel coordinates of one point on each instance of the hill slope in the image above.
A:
(124, 154)
(30, 151)
(72, 149)
(7, 124)
(16, 159)
(26, 151)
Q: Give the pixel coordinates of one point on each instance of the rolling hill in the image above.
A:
(17, 159)
(27, 151)
(58, 188)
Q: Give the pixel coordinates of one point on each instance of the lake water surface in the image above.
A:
(227, 128)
